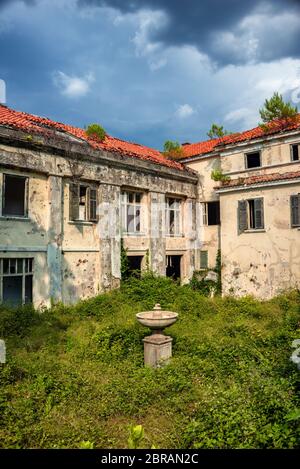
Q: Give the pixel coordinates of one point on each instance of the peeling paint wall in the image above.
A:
(74, 260)
(266, 262)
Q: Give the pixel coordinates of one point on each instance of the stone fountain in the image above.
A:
(157, 346)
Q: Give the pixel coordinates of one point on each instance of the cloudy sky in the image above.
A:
(150, 70)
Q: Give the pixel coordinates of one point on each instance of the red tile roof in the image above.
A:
(276, 126)
(34, 124)
(258, 179)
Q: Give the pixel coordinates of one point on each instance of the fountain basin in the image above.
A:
(157, 320)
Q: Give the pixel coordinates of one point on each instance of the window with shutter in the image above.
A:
(74, 201)
(203, 259)
(295, 210)
(93, 204)
(242, 216)
(258, 214)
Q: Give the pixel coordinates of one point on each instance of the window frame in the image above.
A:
(292, 151)
(205, 213)
(248, 223)
(3, 196)
(26, 272)
(135, 205)
(204, 251)
(90, 189)
(291, 210)
(178, 217)
(246, 159)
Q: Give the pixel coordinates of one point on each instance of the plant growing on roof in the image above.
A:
(276, 108)
(172, 149)
(217, 131)
(96, 131)
(217, 175)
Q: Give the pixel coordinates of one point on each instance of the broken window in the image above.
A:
(131, 212)
(14, 199)
(295, 210)
(295, 152)
(16, 281)
(173, 217)
(173, 267)
(83, 203)
(203, 260)
(250, 214)
(211, 213)
(134, 266)
(253, 160)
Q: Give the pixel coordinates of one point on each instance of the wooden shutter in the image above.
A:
(295, 210)
(242, 216)
(92, 193)
(203, 259)
(74, 201)
(258, 213)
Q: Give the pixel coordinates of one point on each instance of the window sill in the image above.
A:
(139, 235)
(82, 222)
(14, 218)
(260, 230)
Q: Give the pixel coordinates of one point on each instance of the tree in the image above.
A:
(217, 131)
(96, 131)
(172, 149)
(276, 108)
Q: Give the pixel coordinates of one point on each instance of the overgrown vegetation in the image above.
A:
(217, 131)
(96, 131)
(75, 377)
(217, 175)
(276, 108)
(173, 150)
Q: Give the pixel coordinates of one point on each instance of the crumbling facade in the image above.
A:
(70, 204)
(258, 232)
(67, 202)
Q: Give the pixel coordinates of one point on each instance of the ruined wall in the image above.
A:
(209, 235)
(265, 262)
(275, 157)
(74, 260)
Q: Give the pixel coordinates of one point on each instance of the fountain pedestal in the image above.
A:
(157, 347)
(157, 350)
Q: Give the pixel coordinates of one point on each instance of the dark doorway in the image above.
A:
(173, 267)
(135, 265)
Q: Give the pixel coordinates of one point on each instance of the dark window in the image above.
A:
(295, 210)
(14, 196)
(135, 265)
(16, 278)
(213, 213)
(83, 203)
(253, 160)
(203, 259)
(295, 152)
(173, 267)
(250, 214)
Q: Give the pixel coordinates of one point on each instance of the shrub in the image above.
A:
(96, 131)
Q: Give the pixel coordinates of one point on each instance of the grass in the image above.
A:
(75, 374)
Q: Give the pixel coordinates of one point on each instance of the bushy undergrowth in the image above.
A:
(75, 373)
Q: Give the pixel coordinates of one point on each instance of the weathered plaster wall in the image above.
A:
(260, 263)
(275, 157)
(74, 260)
(206, 193)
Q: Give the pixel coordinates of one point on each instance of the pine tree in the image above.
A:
(217, 131)
(276, 108)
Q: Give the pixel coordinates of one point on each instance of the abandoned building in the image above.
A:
(70, 203)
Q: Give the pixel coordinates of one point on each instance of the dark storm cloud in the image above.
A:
(201, 24)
